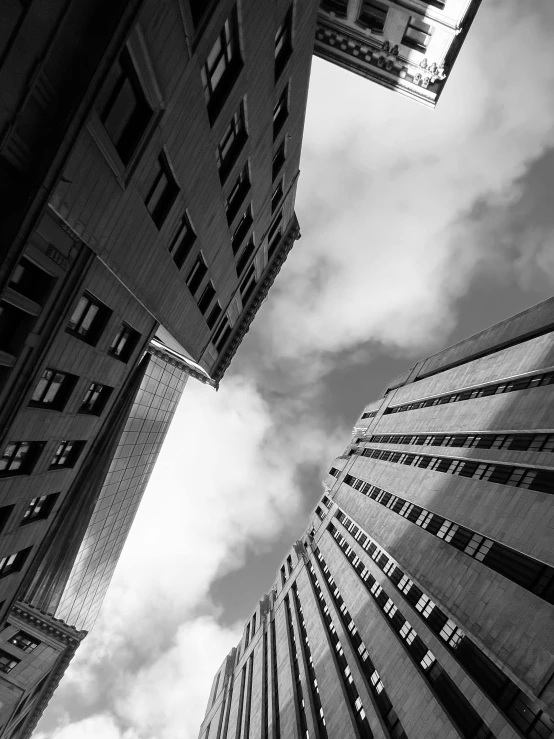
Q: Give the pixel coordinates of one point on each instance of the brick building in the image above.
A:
(419, 603)
(407, 46)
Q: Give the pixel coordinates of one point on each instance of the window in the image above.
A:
(197, 274)
(88, 319)
(222, 66)
(246, 255)
(31, 281)
(19, 457)
(15, 326)
(232, 141)
(13, 562)
(277, 196)
(95, 399)
(283, 44)
(125, 113)
(206, 298)
(237, 194)
(53, 389)
(417, 34)
(66, 454)
(124, 343)
(182, 242)
(5, 513)
(336, 7)
(221, 335)
(247, 285)
(39, 508)
(214, 315)
(280, 112)
(278, 160)
(162, 190)
(242, 229)
(197, 9)
(24, 641)
(373, 15)
(7, 662)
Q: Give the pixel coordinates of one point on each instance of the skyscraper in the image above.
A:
(419, 602)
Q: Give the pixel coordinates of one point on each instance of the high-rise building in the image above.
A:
(419, 602)
(409, 46)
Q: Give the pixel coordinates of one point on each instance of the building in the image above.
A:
(408, 46)
(419, 602)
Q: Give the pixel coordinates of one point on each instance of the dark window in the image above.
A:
(197, 9)
(5, 513)
(53, 389)
(66, 454)
(182, 242)
(242, 229)
(126, 113)
(275, 242)
(223, 332)
(13, 562)
(247, 285)
(280, 112)
(88, 319)
(245, 256)
(19, 457)
(24, 641)
(283, 44)
(206, 298)
(15, 326)
(417, 34)
(95, 399)
(214, 315)
(39, 508)
(197, 274)
(162, 190)
(232, 141)
(336, 7)
(237, 194)
(7, 662)
(373, 15)
(124, 343)
(31, 281)
(222, 66)
(278, 160)
(277, 196)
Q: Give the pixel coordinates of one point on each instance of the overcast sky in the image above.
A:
(419, 227)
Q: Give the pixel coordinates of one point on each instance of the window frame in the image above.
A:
(70, 456)
(97, 324)
(62, 394)
(28, 461)
(241, 229)
(129, 346)
(238, 193)
(232, 142)
(413, 43)
(369, 16)
(165, 200)
(279, 159)
(283, 43)
(99, 403)
(230, 54)
(182, 241)
(28, 648)
(39, 509)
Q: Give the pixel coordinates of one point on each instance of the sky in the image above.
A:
(419, 228)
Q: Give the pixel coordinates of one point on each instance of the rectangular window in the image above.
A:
(67, 454)
(95, 399)
(19, 457)
(237, 194)
(31, 281)
(373, 15)
(339, 8)
(231, 144)
(53, 389)
(13, 562)
(206, 298)
(223, 332)
(278, 160)
(124, 343)
(245, 256)
(222, 66)
(7, 661)
(126, 113)
(280, 112)
(162, 190)
(247, 285)
(277, 197)
(181, 244)
(417, 34)
(197, 274)
(214, 315)
(39, 508)
(15, 326)
(88, 319)
(242, 229)
(24, 641)
(283, 44)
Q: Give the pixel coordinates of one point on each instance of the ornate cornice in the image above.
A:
(48, 624)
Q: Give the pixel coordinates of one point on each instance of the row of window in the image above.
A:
(527, 717)
(511, 442)
(460, 710)
(540, 379)
(535, 576)
(367, 668)
(37, 509)
(369, 414)
(13, 562)
(88, 321)
(22, 641)
(54, 389)
(529, 478)
(293, 651)
(20, 457)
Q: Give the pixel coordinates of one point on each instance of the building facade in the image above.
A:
(419, 603)
(408, 46)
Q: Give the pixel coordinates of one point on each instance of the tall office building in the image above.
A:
(419, 602)
(409, 46)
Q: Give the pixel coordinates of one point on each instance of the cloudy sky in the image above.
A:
(419, 228)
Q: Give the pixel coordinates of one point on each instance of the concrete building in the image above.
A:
(409, 46)
(419, 602)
